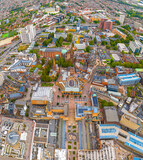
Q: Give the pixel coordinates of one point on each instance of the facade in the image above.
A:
(42, 96)
(137, 25)
(130, 58)
(105, 24)
(28, 34)
(70, 84)
(58, 35)
(122, 47)
(136, 47)
(121, 34)
(50, 52)
(86, 112)
(128, 79)
(112, 131)
(122, 18)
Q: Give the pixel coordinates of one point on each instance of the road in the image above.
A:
(10, 47)
(7, 50)
(128, 32)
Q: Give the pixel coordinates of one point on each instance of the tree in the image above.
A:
(96, 22)
(87, 49)
(95, 40)
(91, 42)
(43, 61)
(115, 47)
(88, 31)
(104, 43)
(36, 44)
(62, 95)
(59, 41)
(117, 22)
(108, 47)
(69, 37)
(26, 114)
(116, 36)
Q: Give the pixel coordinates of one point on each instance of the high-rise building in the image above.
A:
(28, 34)
(105, 24)
(136, 46)
(122, 18)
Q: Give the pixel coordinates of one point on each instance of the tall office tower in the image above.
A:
(122, 18)
(28, 34)
(105, 24)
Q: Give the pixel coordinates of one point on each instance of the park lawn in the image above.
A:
(32, 69)
(112, 57)
(22, 48)
(104, 51)
(47, 84)
(74, 127)
(5, 35)
(40, 72)
(9, 34)
(66, 44)
(39, 66)
(12, 33)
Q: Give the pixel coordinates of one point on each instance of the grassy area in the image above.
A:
(74, 131)
(112, 57)
(69, 147)
(39, 66)
(69, 142)
(74, 143)
(104, 51)
(40, 72)
(5, 35)
(74, 127)
(69, 131)
(66, 44)
(32, 69)
(47, 84)
(9, 34)
(129, 91)
(73, 152)
(22, 48)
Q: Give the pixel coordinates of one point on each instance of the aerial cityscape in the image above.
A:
(71, 79)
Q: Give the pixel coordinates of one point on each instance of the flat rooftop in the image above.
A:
(43, 93)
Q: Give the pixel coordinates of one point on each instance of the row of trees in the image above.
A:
(127, 64)
(69, 37)
(59, 42)
(63, 63)
(49, 40)
(45, 73)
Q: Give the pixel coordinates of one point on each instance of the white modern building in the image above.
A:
(42, 96)
(122, 47)
(28, 34)
(136, 46)
(122, 18)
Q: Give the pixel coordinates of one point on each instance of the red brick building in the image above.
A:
(105, 24)
(50, 52)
